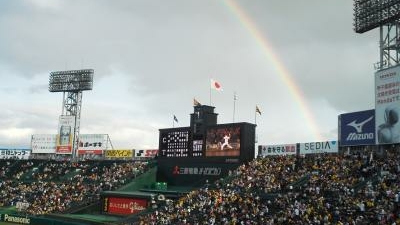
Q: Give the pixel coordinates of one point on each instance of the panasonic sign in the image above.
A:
(357, 128)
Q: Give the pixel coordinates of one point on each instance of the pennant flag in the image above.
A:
(195, 102)
(176, 119)
(216, 85)
(258, 110)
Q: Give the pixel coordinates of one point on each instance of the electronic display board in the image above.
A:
(223, 141)
(174, 142)
(197, 150)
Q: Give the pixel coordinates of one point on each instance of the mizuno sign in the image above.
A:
(357, 128)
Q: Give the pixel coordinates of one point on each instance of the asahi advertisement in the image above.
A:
(65, 135)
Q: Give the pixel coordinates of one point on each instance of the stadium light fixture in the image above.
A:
(71, 81)
(370, 14)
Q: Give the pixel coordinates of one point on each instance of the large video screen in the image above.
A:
(223, 141)
(174, 143)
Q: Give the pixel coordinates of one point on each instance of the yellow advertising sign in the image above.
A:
(122, 153)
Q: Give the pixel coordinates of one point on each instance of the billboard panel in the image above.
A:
(124, 206)
(125, 153)
(387, 108)
(43, 143)
(223, 141)
(174, 142)
(284, 149)
(195, 171)
(92, 143)
(319, 147)
(148, 153)
(65, 134)
(357, 128)
(14, 153)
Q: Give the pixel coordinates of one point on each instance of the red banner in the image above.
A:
(92, 152)
(64, 149)
(126, 206)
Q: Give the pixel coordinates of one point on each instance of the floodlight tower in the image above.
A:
(385, 14)
(72, 83)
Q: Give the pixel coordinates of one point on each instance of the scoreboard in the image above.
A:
(233, 141)
(174, 143)
(188, 157)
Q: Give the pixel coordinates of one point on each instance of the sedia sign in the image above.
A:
(319, 147)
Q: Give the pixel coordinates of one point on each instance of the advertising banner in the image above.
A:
(126, 153)
(43, 143)
(223, 141)
(194, 171)
(125, 206)
(7, 153)
(357, 128)
(148, 153)
(319, 147)
(65, 135)
(387, 105)
(92, 143)
(13, 218)
(284, 149)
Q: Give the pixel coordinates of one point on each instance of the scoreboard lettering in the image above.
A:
(174, 143)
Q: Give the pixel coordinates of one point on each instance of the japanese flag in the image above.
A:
(216, 85)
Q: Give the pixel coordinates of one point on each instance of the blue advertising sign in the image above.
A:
(357, 128)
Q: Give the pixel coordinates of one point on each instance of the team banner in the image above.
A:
(319, 147)
(92, 143)
(285, 149)
(357, 128)
(7, 153)
(387, 105)
(65, 135)
(43, 143)
(126, 153)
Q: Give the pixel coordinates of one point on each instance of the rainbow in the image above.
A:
(270, 55)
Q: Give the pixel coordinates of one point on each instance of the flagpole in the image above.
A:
(255, 117)
(255, 130)
(210, 95)
(234, 105)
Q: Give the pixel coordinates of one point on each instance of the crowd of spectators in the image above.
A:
(324, 189)
(56, 186)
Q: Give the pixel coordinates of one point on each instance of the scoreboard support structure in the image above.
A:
(205, 151)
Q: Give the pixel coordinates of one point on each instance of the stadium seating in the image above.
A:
(316, 189)
(56, 186)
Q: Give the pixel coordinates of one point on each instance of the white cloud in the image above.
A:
(152, 57)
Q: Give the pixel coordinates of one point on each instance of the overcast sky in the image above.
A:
(152, 57)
